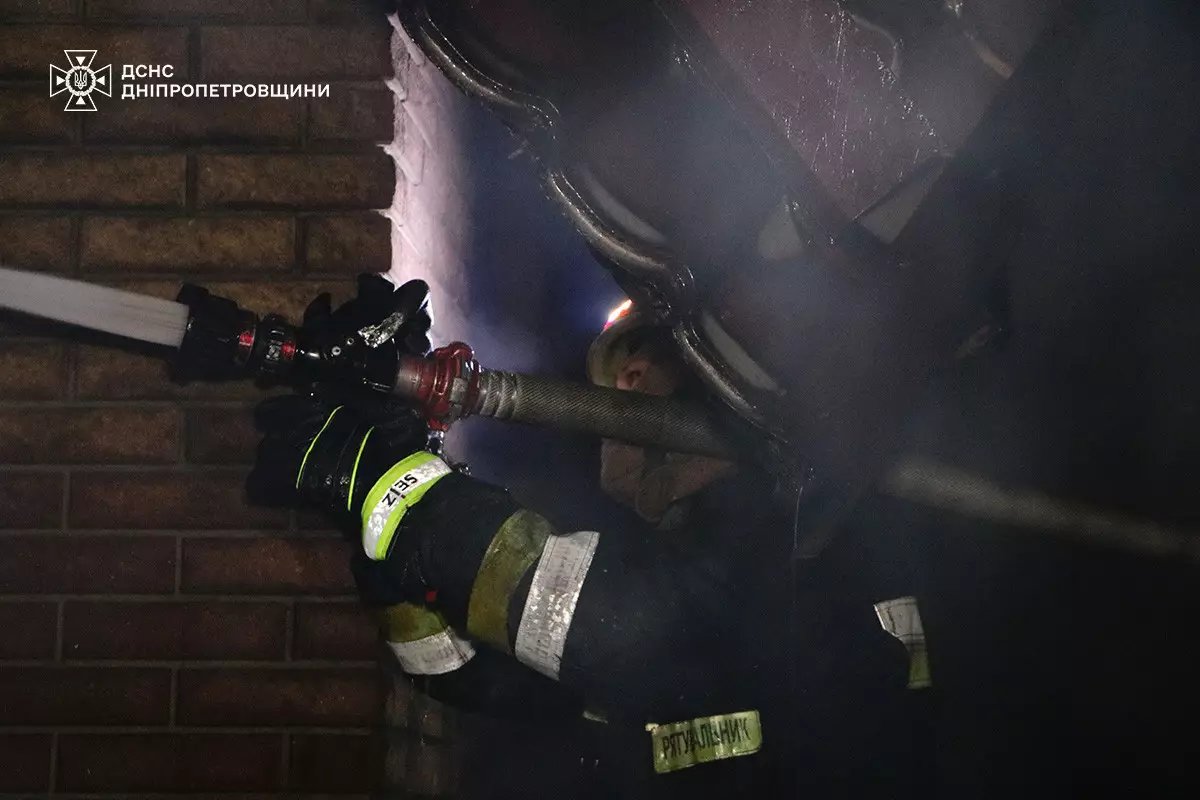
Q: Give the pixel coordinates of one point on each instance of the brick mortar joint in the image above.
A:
(196, 153)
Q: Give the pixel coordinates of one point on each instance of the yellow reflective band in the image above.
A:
(514, 549)
(918, 669)
(407, 622)
(354, 472)
(677, 745)
(400, 488)
(312, 444)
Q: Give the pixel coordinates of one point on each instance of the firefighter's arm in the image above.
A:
(332, 457)
(633, 623)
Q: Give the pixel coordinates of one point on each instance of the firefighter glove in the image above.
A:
(330, 456)
(382, 313)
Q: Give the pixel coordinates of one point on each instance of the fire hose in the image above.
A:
(214, 338)
(445, 386)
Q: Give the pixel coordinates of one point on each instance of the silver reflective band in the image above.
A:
(902, 618)
(438, 654)
(405, 489)
(550, 605)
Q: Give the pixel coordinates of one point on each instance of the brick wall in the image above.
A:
(156, 633)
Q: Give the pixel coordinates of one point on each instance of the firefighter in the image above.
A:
(700, 637)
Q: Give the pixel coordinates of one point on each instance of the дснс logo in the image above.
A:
(81, 80)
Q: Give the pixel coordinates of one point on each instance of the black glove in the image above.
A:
(291, 424)
(362, 340)
(328, 456)
(385, 315)
(332, 457)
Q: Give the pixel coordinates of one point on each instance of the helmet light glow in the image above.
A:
(618, 312)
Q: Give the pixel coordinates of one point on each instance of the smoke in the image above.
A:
(508, 275)
(534, 299)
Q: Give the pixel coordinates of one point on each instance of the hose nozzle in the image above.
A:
(224, 341)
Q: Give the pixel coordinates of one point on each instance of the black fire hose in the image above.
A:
(665, 422)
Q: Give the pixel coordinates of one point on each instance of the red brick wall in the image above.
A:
(156, 633)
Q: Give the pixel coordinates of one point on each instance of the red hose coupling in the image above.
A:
(447, 384)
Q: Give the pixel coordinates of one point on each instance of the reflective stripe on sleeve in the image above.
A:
(424, 643)
(513, 550)
(902, 618)
(400, 488)
(550, 606)
(436, 654)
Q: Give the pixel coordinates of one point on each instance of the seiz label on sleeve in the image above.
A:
(399, 489)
